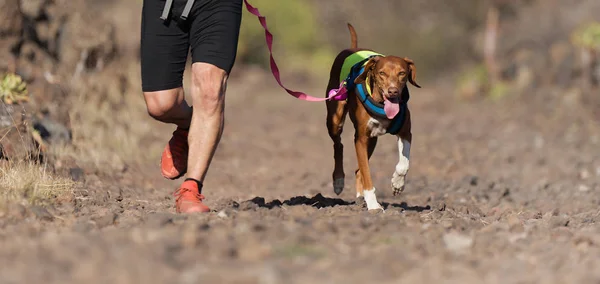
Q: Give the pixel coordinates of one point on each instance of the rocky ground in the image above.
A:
(498, 192)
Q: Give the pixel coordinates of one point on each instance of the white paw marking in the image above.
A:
(402, 167)
(338, 185)
(398, 183)
(371, 200)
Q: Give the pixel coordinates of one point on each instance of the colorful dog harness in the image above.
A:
(353, 66)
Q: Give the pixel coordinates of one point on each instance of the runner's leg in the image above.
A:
(214, 38)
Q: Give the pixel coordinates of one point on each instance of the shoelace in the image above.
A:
(180, 192)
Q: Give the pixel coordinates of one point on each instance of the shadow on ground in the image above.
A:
(319, 201)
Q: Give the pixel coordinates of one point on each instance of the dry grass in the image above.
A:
(22, 179)
(110, 125)
(32, 183)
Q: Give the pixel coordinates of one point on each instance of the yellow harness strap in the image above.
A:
(352, 60)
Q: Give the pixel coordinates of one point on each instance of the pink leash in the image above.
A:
(335, 94)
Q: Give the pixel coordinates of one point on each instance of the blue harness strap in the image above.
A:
(375, 108)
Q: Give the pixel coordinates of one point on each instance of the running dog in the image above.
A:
(377, 100)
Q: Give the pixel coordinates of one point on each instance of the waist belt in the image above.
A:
(186, 10)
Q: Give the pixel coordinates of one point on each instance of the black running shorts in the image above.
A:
(211, 31)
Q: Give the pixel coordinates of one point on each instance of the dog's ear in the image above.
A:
(368, 68)
(413, 72)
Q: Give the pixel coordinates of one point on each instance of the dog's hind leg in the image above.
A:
(336, 116)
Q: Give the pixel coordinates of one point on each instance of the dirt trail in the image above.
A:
(497, 193)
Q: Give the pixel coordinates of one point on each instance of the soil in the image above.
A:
(497, 192)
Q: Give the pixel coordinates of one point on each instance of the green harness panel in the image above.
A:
(352, 60)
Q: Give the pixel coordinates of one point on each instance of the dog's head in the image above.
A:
(388, 76)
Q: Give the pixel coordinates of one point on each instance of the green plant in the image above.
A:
(475, 81)
(587, 36)
(13, 89)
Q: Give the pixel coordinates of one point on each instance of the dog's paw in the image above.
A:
(375, 206)
(398, 183)
(371, 200)
(338, 185)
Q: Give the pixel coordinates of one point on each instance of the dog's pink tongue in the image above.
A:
(391, 108)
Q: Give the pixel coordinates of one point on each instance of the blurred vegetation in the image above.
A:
(308, 34)
(587, 36)
(298, 42)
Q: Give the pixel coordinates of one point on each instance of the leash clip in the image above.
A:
(340, 93)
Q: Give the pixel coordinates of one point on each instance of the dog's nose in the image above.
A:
(393, 92)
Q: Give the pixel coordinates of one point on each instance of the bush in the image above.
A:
(13, 89)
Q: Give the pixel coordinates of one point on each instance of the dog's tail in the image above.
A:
(352, 36)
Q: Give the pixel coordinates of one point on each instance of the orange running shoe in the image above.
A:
(189, 199)
(173, 162)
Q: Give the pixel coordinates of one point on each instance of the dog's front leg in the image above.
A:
(399, 175)
(364, 182)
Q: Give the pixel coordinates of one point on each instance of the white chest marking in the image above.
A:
(377, 127)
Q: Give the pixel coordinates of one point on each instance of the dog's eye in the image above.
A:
(382, 73)
(402, 73)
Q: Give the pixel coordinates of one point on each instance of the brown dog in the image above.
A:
(386, 77)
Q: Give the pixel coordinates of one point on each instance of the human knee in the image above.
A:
(160, 104)
(209, 84)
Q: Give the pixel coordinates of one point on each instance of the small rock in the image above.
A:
(516, 237)
(584, 174)
(457, 242)
(474, 180)
(52, 131)
(222, 214)
(538, 141)
(583, 188)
